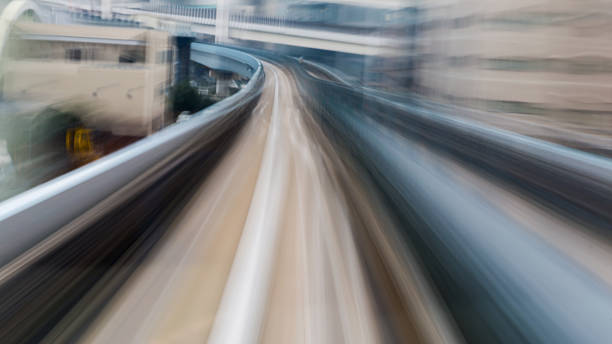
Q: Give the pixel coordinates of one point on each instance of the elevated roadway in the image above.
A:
(267, 251)
(325, 223)
(308, 209)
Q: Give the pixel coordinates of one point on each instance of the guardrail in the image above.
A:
(501, 282)
(89, 217)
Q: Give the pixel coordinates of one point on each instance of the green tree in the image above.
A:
(184, 97)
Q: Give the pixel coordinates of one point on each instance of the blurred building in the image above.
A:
(122, 73)
(551, 59)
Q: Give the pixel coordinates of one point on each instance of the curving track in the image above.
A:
(336, 216)
(268, 250)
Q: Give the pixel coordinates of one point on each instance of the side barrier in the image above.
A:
(58, 239)
(499, 280)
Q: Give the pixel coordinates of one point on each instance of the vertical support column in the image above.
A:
(224, 80)
(107, 9)
(183, 58)
(222, 21)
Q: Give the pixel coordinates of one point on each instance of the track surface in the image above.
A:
(287, 241)
(267, 251)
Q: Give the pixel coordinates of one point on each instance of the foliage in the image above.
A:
(184, 97)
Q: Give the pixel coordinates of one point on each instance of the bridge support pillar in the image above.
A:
(224, 80)
(222, 22)
(183, 47)
(107, 9)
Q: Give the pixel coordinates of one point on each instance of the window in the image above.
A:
(73, 55)
(132, 56)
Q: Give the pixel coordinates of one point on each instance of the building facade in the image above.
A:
(530, 57)
(122, 74)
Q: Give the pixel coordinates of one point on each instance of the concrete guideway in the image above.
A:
(265, 251)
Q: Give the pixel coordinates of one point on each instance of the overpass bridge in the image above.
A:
(207, 22)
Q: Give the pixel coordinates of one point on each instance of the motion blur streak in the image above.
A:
(500, 282)
(337, 171)
(176, 294)
(266, 250)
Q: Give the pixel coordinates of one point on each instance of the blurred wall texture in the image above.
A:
(549, 59)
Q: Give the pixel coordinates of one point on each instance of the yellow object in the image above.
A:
(78, 143)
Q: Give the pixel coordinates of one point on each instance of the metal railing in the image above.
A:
(208, 16)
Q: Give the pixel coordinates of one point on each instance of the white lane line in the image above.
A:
(242, 309)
